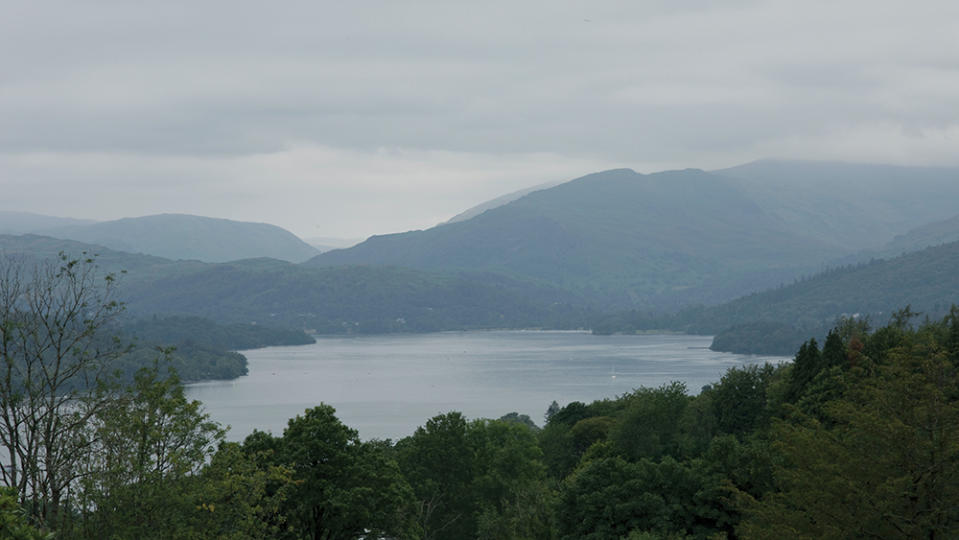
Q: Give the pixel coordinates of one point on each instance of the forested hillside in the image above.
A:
(776, 321)
(328, 300)
(360, 299)
(616, 238)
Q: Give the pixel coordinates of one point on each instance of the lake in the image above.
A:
(386, 386)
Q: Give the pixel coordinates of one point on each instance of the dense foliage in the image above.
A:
(204, 333)
(197, 348)
(858, 437)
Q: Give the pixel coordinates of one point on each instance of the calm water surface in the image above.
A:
(386, 386)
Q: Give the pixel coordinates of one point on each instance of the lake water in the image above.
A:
(386, 386)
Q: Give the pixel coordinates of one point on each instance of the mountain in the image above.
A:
(927, 280)
(326, 243)
(27, 222)
(617, 238)
(777, 321)
(470, 213)
(275, 293)
(853, 206)
(361, 299)
(182, 236)
(931, 234)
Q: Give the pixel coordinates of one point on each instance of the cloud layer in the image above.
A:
(354, 118)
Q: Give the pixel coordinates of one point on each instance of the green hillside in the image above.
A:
(927, 280)
(181, 236)
(356, 299)
(617, 238)
(777, 320)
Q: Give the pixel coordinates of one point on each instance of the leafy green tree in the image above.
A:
(739, 401)
(509, 482)
(150, 444)
(610, 497)
(14, 523)
(882, 466)
(522, 419)
(235, 498)
(589, 431)
(649, 427)
(344, 488)
(438, 462)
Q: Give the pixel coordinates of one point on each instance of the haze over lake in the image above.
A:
(386, 386)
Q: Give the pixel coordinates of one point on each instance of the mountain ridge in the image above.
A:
(187, 236)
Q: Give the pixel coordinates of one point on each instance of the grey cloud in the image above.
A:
(188, 88)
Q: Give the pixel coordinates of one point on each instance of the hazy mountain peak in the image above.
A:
(187, 236)
(16, 222)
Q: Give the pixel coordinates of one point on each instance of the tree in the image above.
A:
(54, 361)
(650, 425)
(880, 464)
(150, 444)
(239, 499)
(551, 410)
(512, 499)
(739, 400)
(610, 497)
(438, 462)
(344, 488)
(14, 525)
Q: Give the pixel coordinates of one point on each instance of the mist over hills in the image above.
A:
(183, 236)
(27, 222)
(666, 245)
(854, 206)
(474, 211)
(926, 279)
(618, 238)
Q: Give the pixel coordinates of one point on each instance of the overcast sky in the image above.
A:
(352, 118)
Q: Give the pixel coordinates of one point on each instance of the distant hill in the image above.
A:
(361, 299)
(931, 234)
(928, 235)
(326, 243)
(273, 293)
(778, 320)
(618, 238)
(27, 222)
(470, 213)
(927, 280)
(853, 206)
(182, 236)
